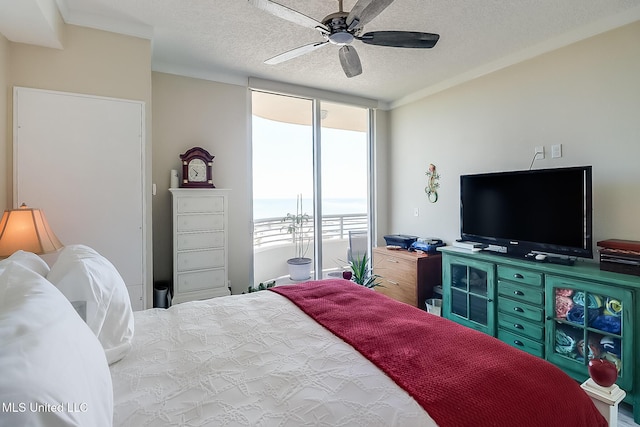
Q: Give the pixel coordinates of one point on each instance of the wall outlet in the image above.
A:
(416, 211)
(539, 152)
(556, 151)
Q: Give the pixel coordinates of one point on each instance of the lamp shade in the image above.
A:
(28, 230)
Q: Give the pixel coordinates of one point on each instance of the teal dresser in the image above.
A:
(564, 314)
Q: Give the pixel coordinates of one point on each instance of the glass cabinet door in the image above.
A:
(589, 322)
(468, 293)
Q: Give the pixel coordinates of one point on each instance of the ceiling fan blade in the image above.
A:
(364, 11)
(294, 53)
(410, 39)
(289, 14)
(350, 61)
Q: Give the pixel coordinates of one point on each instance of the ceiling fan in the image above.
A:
(342, 28)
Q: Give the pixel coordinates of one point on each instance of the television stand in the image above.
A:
(523, 302)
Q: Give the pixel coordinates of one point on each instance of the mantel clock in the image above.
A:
(197, 166)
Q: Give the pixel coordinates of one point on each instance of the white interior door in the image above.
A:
(80, 159)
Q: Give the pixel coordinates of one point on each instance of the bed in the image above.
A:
(325, 353)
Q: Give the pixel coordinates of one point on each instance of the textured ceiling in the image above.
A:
(228, 40)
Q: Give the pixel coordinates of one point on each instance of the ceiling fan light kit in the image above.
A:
(342, 28)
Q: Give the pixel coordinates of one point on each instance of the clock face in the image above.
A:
(197, 171)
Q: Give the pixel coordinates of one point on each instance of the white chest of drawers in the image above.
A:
(200, 244)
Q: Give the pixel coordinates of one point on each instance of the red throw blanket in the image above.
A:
(461, 377)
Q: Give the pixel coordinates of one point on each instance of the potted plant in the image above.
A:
(297, 226)
(261, 287)
(362, 273)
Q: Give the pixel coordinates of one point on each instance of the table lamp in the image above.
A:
(26, 229)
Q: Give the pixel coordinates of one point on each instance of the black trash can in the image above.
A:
(161, 294)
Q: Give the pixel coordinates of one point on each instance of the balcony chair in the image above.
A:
(358, 245)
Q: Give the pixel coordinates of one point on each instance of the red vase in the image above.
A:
(603, 372)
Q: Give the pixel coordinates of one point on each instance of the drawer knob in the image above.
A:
(518, 342)
(518, 276)
(518, 309)
(519, 293)
(518, 326)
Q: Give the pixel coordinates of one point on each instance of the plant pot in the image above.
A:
(299, 268)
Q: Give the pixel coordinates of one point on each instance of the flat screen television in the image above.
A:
(535, 211)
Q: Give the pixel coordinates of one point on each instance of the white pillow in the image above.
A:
(28, 260)
(54, 372)
(83, 275)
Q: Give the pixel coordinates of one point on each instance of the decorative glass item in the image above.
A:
(603, 372)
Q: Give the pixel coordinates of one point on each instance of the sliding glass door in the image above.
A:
(310, 185)
(344, 147)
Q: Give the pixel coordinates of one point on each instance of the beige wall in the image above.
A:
(92, 62)
(190, 112)
(585, 96)
(5, 99)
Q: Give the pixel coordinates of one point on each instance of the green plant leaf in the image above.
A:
(298, 228)
(362, 273)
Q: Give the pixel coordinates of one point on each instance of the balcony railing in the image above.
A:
(273, 231)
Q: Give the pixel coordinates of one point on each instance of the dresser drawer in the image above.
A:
(525, 344)
(201, 280)
(520, 309)
(214, 239)
(399, 291)
(521, 327)
(395, 269)
(194, 204)
(521, 292)
(519, 275)
(198, 260)
(200, 222)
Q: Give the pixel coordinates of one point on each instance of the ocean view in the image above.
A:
(279, 208)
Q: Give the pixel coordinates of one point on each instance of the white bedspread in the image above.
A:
(250, 360)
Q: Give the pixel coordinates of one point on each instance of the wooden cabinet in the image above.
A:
(405, 276)
(200, 249)
(564, 314)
